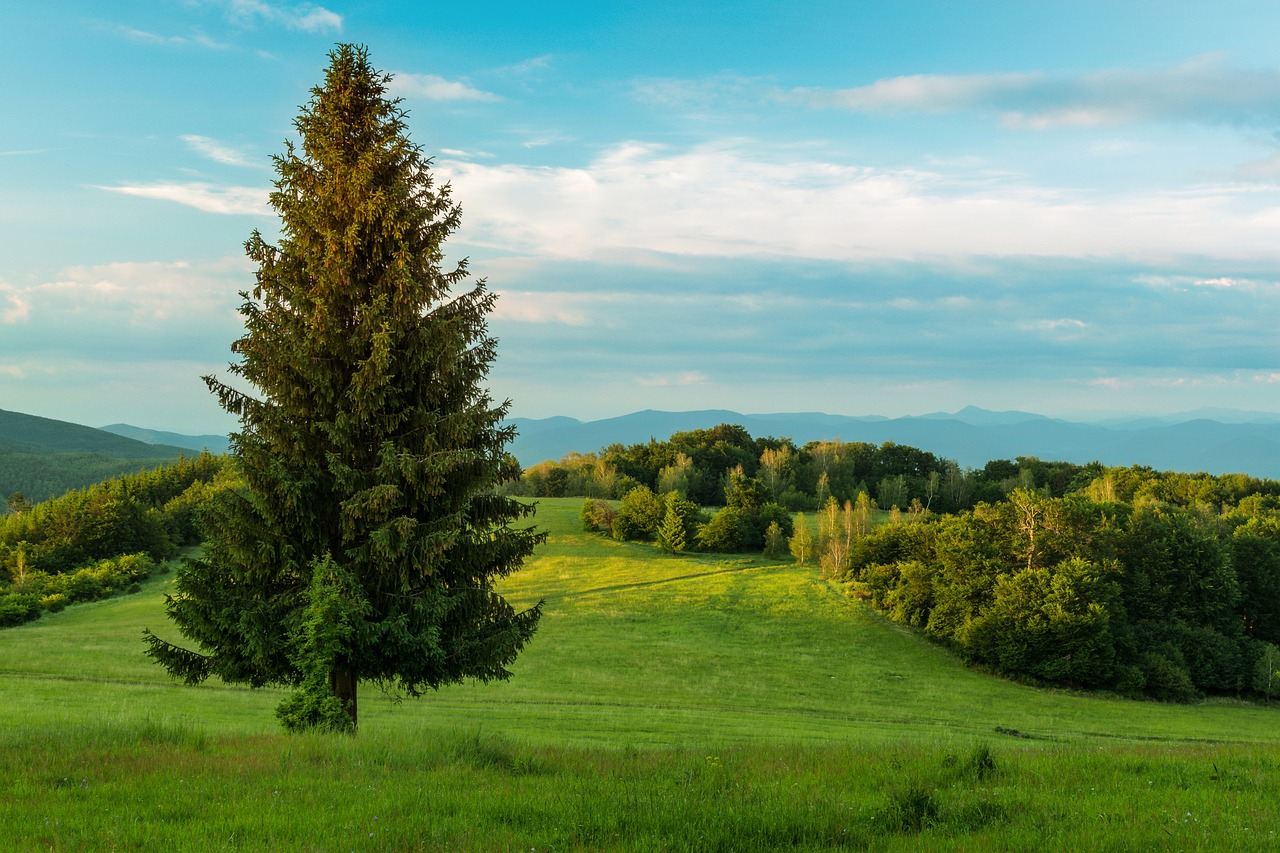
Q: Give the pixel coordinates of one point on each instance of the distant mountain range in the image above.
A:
(215, 444)
(1216, 441)
(45, 436)
(43, 458)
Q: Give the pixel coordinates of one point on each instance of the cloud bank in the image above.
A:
(728, 200)
(1202, 90)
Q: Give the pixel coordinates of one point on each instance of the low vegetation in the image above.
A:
(94, 542)
(680, 701)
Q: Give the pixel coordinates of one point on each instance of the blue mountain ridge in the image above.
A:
(1249, 444)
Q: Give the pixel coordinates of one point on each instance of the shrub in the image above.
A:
(640, 515)
(775, 542)
(724, 533)
(54, 603)
(597, 516)
(18, 607)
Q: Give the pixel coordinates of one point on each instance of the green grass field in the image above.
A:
(667, 703)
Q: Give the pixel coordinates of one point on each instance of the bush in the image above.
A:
(772, 513)
(597, 516)
(54, 603)
(775, 542)
(725, 533)
(640, 515)
(1166, 674)
(17, 608)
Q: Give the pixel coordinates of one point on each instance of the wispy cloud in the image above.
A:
(433, 88)
(303, 16)
(249, 201)
(146, 37)
(19, 307)
(568, 309)
(1201, 90)
(662, 381)
(219, 152)
(534, 65)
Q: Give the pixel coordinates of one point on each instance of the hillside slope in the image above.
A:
(43, 458)
(635, 648)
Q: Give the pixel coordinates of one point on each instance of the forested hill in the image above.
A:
(1216, 442)
(43, 458)
(45, 436)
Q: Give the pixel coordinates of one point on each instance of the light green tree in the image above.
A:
(801, 542)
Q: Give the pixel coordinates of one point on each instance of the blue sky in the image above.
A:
(860, 207)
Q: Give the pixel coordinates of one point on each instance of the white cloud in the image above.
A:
(304, 16)
(570, 309)
(218, 152)
(530, 66)
(1201, 90)
(465, 155)
(139, 293)
(736, 200)
(145, 37)
(250, 201)
(433, 88)
(1231, 283)
(678, 379)
(926, 92)
(19, 309)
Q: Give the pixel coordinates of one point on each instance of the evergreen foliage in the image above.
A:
(671, 533)
(368, 536)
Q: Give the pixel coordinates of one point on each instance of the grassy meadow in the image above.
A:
(668, 702)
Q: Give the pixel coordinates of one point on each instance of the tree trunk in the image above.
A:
(343, 681)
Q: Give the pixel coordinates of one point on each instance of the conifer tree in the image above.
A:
(366, 541)
(671, 535)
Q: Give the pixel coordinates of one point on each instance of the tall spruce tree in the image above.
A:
(366, 541)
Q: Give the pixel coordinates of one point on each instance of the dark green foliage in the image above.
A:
(1052, 624)
(369, 448)
(772, 513)
(730, 530)
(335, 607)
(1157, 600)
(639, 515)
(680, 523)
(18, 607)
(1255, 555)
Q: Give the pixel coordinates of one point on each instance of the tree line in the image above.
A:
(696, 464)
(96, 541)
(1145, 596)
